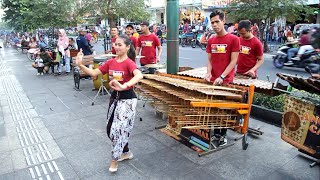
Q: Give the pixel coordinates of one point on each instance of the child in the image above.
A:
(39, 65)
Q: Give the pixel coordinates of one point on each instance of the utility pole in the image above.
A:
(172, 36)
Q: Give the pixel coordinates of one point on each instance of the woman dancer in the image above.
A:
(123, 75)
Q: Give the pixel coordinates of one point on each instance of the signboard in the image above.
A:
(212, 4)
(301, 125)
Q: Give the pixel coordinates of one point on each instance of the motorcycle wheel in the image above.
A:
(193, 44)
(183, 42)
(278, 61)
(203, 47)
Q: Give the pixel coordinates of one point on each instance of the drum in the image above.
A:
(97, 80)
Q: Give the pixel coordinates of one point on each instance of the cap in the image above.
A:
(129, 25)
(144, 23)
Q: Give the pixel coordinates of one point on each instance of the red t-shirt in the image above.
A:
(305, 40)
(221, 49)
(121, 71)
(249, 50)
(134, 41)
(148, 45)
(113, 40)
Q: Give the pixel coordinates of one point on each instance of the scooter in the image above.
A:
(308, 59)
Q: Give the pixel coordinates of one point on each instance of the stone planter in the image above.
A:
(266, 115)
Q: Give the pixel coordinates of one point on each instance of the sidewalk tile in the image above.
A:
(81, 142)
(6, 165)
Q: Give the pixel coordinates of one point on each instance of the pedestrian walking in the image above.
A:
(123, 75)
(223, 50)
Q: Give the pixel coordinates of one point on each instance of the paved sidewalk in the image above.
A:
(50, 131)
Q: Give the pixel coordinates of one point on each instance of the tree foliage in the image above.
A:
(132, 10)
(28, 15)
(264, 9)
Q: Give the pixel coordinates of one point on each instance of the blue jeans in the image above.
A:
(291, 52)
(67, 61)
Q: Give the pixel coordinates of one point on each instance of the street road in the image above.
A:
(196, 57)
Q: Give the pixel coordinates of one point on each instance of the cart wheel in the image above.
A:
(245, 143)
(92, 104)
(140, 119)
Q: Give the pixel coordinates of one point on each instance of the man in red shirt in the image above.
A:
(114, 35)
(129, 33)
(251, 51)
(148, 43)
(223, 50)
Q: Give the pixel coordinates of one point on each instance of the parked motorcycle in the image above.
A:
(196, 41)
(310, 59)
(186, 38)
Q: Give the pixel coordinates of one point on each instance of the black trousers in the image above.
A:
(221, 132)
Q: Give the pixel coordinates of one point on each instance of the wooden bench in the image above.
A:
(73, 53)
(24, 47)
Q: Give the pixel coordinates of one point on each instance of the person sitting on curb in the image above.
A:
(43, 61)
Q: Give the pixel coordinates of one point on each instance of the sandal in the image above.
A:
(113, 169)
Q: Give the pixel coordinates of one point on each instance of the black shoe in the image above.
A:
(66, 74)
(223, 141)
(57, 74)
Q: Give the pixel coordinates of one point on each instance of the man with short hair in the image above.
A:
(114, 35)
(251, 51)
(223, 50)
(129, 33)
(148, 43)
(83, 43)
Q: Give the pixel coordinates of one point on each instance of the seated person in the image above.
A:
(42, 62)
(32, 43)
(42, 42)
(16, 40)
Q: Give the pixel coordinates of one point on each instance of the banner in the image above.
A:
(301, 125)
(212, 4)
